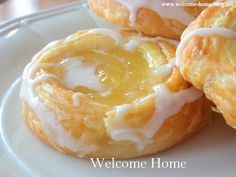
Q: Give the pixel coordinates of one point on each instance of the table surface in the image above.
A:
(10, 9)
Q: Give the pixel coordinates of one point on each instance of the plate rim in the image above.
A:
(4, 144)
(13, 23)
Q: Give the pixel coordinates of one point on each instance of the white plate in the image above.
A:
(211, 152)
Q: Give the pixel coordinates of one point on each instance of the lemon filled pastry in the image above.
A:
(152, 17)
(207, 57)
(110, 93)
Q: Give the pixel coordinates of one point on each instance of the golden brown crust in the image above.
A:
(147, 21)
(87, 120)
(209, 63)
(176, 129)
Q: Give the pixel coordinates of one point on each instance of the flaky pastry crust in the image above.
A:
(86, 122)
(209, 61)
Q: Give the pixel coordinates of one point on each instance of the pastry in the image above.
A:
(110, 93)
(207, 57)
(151, 17)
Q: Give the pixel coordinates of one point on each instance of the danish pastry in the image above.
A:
(152, 17)
(207, 57)
(109, 93)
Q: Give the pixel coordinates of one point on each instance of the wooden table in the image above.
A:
(10, 9)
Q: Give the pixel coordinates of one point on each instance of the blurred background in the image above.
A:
(10, 9)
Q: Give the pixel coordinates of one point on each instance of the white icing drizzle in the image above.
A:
(177, 13)
(76, 98)
(155, 39)
(106, 93)
(131, 45)
(37, 66)
(78, 74)
(168, 103)
(48, 119)
(204, 32)
(215, 109)
(43, 77)
(165, 69)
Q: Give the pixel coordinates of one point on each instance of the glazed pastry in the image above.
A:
(107, 93)
(149, 16)
(207, 57)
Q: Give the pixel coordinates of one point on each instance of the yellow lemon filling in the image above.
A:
(100, 91)
(123, 75)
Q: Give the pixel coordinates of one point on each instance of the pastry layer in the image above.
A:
(109, 93)
(207, 57)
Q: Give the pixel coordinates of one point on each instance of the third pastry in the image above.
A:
(207, 57)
